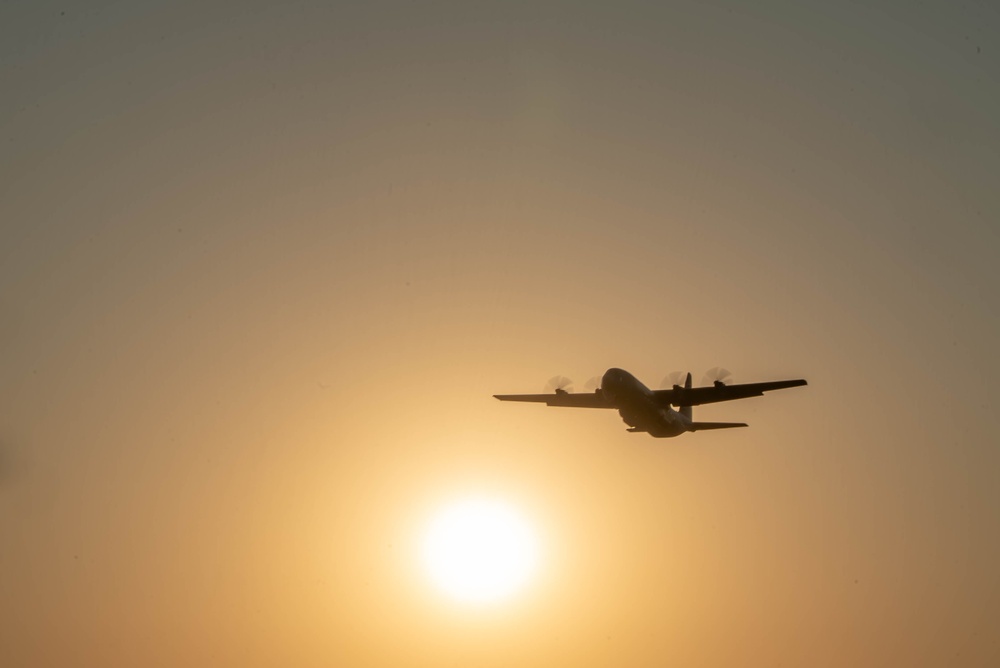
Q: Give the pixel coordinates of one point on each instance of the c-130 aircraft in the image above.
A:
(650, 411)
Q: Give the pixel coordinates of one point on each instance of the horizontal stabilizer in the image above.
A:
(702, 426)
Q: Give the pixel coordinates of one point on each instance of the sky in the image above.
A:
(263, 265)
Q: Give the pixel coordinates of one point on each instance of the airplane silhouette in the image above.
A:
(646, 410)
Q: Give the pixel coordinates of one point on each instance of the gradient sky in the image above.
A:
(262, 268)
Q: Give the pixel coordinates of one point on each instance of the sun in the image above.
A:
(480, 550)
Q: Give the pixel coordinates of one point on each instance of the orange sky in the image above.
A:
(261, 271)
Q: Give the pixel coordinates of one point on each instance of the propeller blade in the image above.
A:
(559, 383)
(717, 375)
(673, 378)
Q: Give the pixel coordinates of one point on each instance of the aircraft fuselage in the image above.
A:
(638, 408)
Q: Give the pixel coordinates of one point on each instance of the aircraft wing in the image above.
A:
(696, 396)
(561, 398)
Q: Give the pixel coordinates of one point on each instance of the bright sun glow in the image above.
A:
(480, 550)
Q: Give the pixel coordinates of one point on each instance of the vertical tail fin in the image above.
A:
(686, 410)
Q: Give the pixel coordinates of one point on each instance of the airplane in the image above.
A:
(650, 411)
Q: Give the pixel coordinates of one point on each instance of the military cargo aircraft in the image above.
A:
(651, 411)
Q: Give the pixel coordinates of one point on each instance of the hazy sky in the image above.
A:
(262, 267)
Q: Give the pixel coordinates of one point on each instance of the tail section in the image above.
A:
(705, 426)
(686, 410)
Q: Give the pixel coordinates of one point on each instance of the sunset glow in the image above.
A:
(480, 550)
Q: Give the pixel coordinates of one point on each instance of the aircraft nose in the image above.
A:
(609, 382)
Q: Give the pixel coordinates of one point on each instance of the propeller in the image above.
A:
(593, 384)
(673, 378)
(717, 375)
(559, 384)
